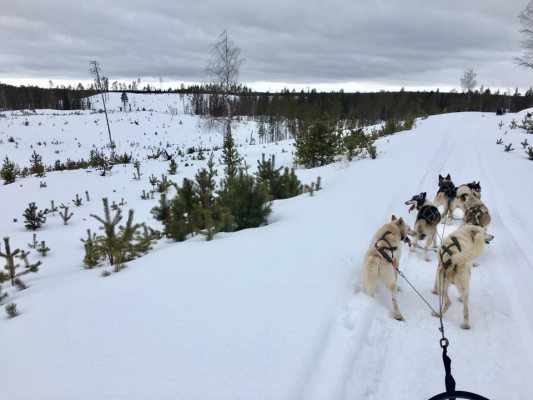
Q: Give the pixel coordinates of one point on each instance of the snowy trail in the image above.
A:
(366, 352)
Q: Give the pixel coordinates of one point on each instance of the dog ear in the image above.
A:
(393, 218)
(400, 221)
(423, 195)
(440, 178)
(448, 177)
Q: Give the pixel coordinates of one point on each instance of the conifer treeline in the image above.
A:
(359, 108)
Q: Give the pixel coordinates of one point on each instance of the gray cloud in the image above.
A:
(412, 43)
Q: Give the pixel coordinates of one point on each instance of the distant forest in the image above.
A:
(358, 108)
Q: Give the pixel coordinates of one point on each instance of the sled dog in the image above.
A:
(477, 213)
(476, 189)
(463, 194)
(445, 195)
(456, 255)
(426, 222)
(383, 258)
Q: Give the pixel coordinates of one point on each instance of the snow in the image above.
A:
(274, 312)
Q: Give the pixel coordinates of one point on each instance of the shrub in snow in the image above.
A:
(36, 164)
(43, 248)
(34, 243)
(77, 201)
(527, 124)
(137, 174)
(34, 218)
(53, 208)
(11, 266)
(92, 254)
(121, 244)
(529, 152)
(65, 215)
(173, 167)
(3, 295)
(11, 310)
(19, 283)
(247, 200)
(508, 147)
(9, 171)
(279, 186)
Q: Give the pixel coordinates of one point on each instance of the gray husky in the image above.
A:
(426, 223)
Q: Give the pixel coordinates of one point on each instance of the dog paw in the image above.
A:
(460, 299)
(434, 291)
(465, 325)
(427, 259)
(398, 317)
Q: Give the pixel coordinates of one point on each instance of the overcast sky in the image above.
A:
(350, 44)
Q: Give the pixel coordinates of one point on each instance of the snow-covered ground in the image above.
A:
(274, 312)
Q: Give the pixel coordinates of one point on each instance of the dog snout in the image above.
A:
(488, 238)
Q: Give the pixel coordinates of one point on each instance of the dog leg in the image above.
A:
(389, 276)
(396, 311)
(438, 282)
(463, 289)
(446, 297)
(370, 276)
(429, 240)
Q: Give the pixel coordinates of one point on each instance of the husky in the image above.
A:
(427, 219)
(463, 194)
(475, 187)
(445, 195)
(382, 260)
(456, 255)
(477, 213)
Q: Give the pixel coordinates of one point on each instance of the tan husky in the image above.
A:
(456, 256)
(383, 258)
(477, 213)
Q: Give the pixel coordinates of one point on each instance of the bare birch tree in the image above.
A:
(223, 68)
(468, 82)
(526, 20)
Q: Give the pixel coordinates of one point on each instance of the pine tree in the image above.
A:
(124, 99)
(11, 266)
(11, 310)
(109, 243)
(9, 171)
(36, 164)
(137, 174)
(43, 248)
(246, 199)
(126, 244)
(317, 144)
(65, 215)
(92, 251)
(3, 295)
(173, 167)
(34, 218)
(162, 211)
(230, 156)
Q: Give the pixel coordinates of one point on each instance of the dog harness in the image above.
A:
(381, 250)
(430, 214)
(448, 188)
(446, 250)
